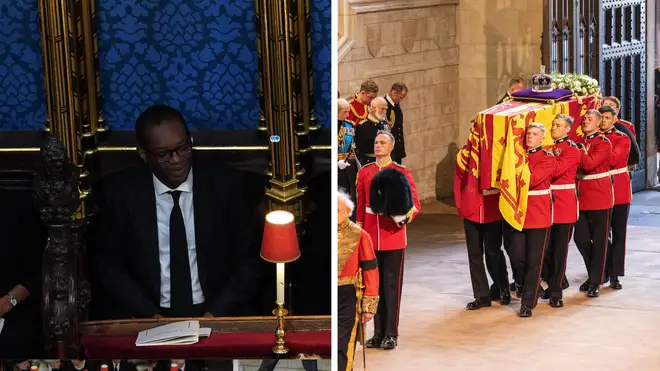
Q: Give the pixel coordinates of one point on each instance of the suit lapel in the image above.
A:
(146, 211)
(203, 206)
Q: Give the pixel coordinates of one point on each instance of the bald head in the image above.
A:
(342, 109)
(379, 108)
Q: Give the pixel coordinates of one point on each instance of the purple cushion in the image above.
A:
(527, 95)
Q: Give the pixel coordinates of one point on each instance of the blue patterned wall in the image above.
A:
(321, 59)
(196, 55)
(22, 95)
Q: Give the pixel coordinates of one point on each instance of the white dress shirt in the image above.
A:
(164, 205)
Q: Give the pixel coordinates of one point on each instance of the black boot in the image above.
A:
(374, 342)
(525, 311)
(519, 289)
(615, 284)
(564, 283)
(585, 286)
(593, 291)
(389, 342)
(494, 292)
(478, 303)
(544, 294)
(505, 297)
(556, 302)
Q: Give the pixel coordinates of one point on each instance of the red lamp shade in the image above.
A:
(280, 241)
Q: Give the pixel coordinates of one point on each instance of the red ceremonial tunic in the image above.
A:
(630, 127)
(563, 186)
(472, 203)
(358, 111)
(356, 251)
(385, 233)
(542, 165)
(619, 166)
(594, 182)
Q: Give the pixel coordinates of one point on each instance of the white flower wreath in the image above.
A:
(579, 84)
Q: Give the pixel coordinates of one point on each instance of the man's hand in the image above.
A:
(341, 164)
(366, 317)
(5, 306)
(158, 316)
(207, 314)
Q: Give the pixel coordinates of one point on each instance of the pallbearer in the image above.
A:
(596, 201)
(565, 212)
(357, 264)
(482, 222)
(616, 252)
(388, 234)
(528, 245)
(346, 163)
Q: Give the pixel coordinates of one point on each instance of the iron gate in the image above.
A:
(605, 39)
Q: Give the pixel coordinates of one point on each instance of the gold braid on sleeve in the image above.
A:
(369, 304)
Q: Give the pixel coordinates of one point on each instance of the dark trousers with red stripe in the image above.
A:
(591, 237)
(485, 238)
(527, 249)
(616, 253)
(560, 237)
(390, 272)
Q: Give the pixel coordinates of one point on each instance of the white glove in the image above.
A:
(341, 164)
(399, 219)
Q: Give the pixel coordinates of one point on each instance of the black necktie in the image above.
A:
(180, 283)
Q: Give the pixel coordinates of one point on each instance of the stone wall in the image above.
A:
(412, 41)
(499, 40)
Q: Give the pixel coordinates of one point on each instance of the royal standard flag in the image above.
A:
(502, 157)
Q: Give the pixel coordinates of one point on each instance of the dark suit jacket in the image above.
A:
(395, 117)
(126, 264)
(633, 158)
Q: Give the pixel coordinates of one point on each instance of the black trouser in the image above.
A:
(346, 178)
(591, 237)
(527, 249)
(616, 252)
(390, 272)
(347, 326)
(555, 258)
(507, 232)
(486, 238)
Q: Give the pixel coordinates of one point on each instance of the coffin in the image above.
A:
(495, 153)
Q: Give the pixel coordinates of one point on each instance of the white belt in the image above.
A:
(555, 187)
(594, 176)
(490, 192)
(369, 211)
(539, 192)
(619, 171)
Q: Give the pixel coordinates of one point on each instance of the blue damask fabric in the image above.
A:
(199, 56)
(22, 94)
(321, 16)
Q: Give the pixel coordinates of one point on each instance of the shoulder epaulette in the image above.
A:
(367, 165)
(362, 122)
(620, 133)
(604, 138)
(572, 143)
(548, 152)
(398, 164)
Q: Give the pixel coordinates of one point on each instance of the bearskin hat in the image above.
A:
(390, 193)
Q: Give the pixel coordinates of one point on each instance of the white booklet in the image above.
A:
(178, 333)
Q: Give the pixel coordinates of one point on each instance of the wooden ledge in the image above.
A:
(217, 324)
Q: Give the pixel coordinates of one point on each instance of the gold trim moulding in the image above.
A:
(24, 149)
(197, 148)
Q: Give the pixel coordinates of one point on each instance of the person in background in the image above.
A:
(394, 115)
(360, 102)
(515, 85)
(347, 164)
(367, 129)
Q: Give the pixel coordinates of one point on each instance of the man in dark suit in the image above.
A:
(174, 239)
(515, 85)
(394, 98)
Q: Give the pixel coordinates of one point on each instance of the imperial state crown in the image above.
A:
(541, 82)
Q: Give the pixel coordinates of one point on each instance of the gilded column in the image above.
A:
(285, 74)
(72, 85)
(70, 52)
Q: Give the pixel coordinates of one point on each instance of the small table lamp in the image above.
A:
(280, 246)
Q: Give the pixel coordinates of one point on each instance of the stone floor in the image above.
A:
(617, 331)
